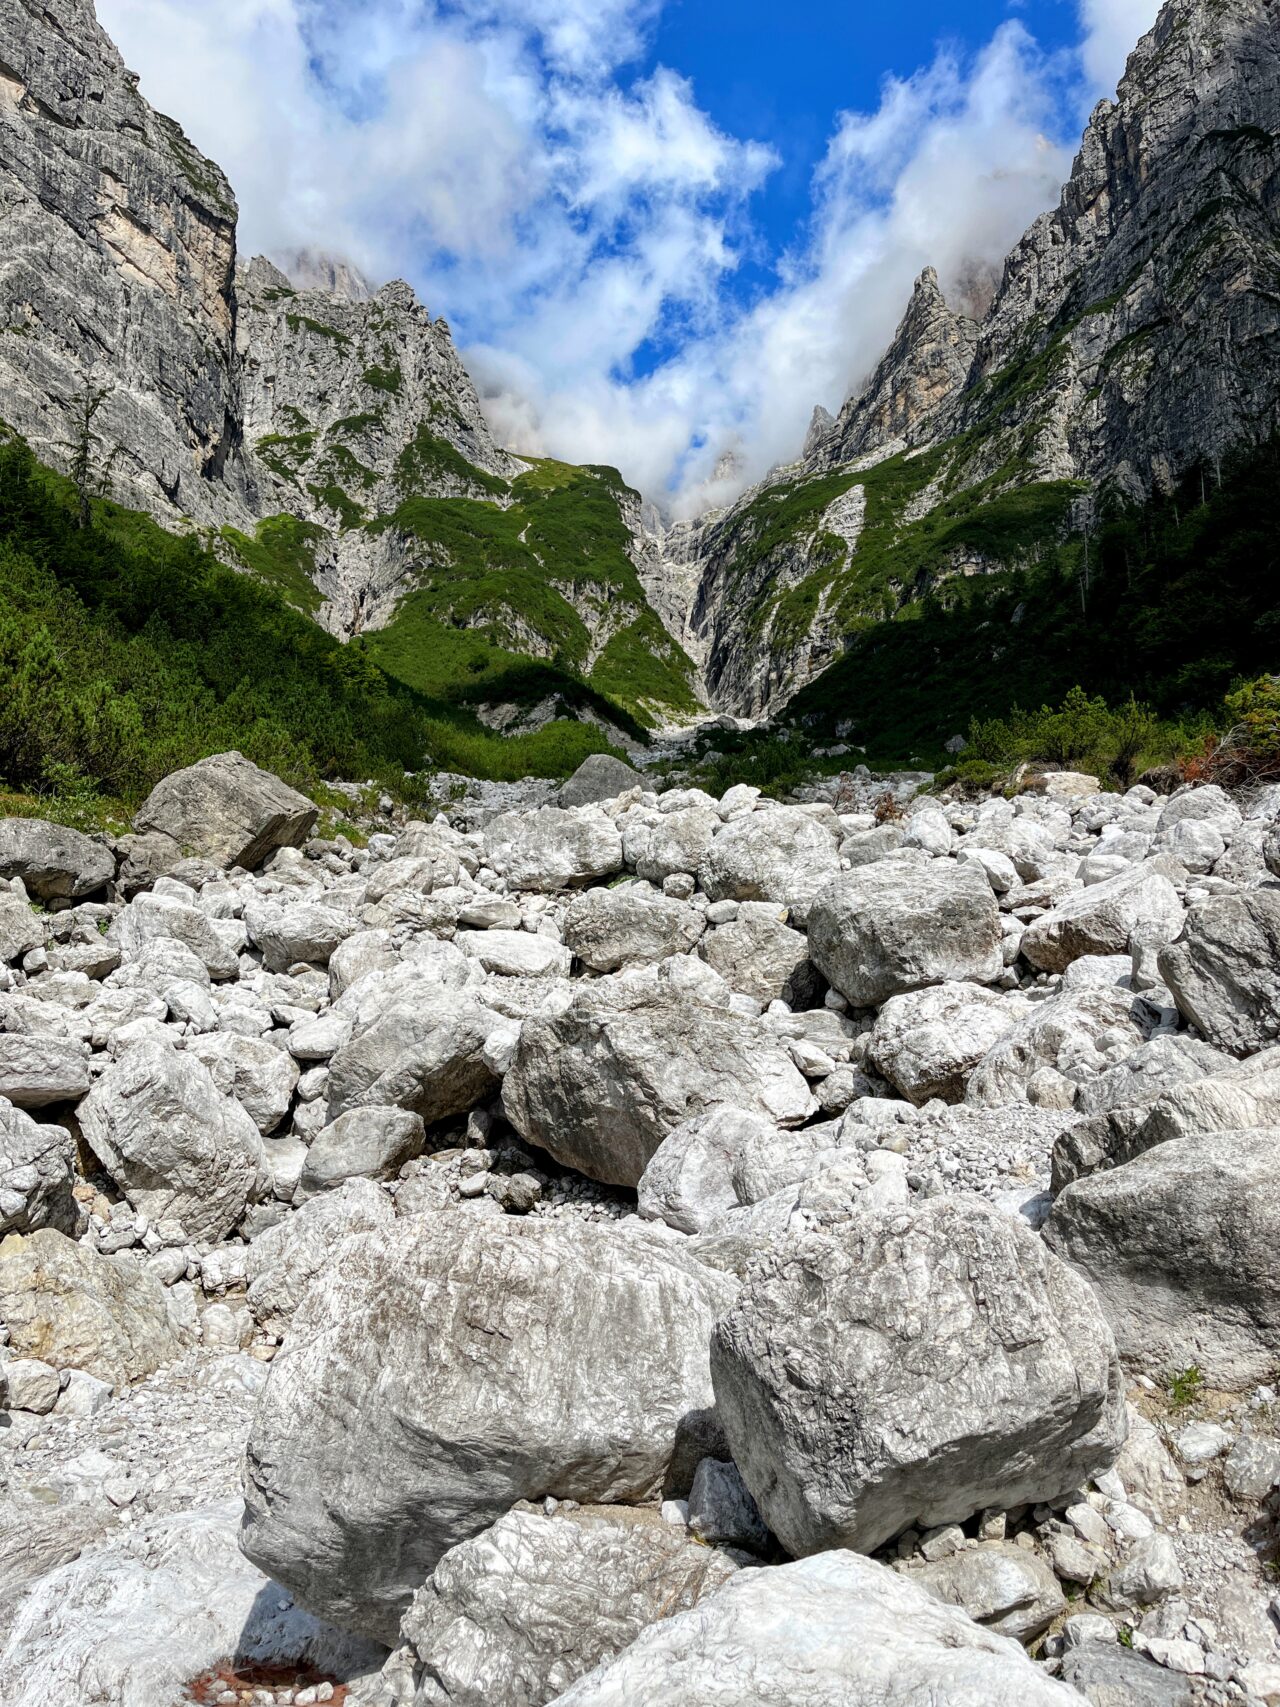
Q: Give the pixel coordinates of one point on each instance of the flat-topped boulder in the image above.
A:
(227, 810)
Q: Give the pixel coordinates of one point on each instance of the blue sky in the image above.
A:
(662, 230)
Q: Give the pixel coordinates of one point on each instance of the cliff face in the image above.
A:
(117, 260)
(322, 435)
(1135, 333)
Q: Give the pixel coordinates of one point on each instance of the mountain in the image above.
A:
(322, 435)
(1135, 335)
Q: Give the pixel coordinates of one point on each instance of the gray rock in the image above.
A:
(54, 863)
(1154, 1067)
(673, 846)
(927, 1043)
(1103, 919)
(21, 929)
(689, 1181)
(553, 849)
(138, 1617)
(630, 926)
(602, 1085)
(759, 955)
(448, 1367)
(913, 1367)
(306, 933)
(1222, 970)
(284, 1260)
(516, 954)
(37, 1172)
(889, 928)
(1148, 1574)
(780, 854)
(1181, 1246)
(36, 1072)
(260, 1077)
(183, 1153)
(1252, 1468)
(599, 777)
(514, 1617)
(1008, 1589)
(1110, 1676)
(227, 810)
(422, 1048)
(721, 1510)
(838, 1630)
(66, 1305)
(152, 918)
(365, 1143)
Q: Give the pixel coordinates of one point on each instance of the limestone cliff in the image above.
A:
(1134, 334)
(322, 435)
(117, 261)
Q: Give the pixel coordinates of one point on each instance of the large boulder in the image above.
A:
(285, 1259)
(912, 1368)
(149, 919)
(364, 1143)
(676, 844)
(1182, 1246)
(186, 1155)
(603, 1084)
(1224, 970)
(54, 863)
(1104, 918)
(415, 1045)
(515, 1616)
(836, 1631)
(37, 1173)
(599, 777)
(759, 955)
(1006, 1587)
(689, 1181)
(305, 932)
(66, 1305)
(1243, 1096)
(630, 926)
(21, 929)
(779, 854)
(261, 1077)
(133, 1621)
(553, 849)
(884, 929)
(36, 1072)
(927, 1043)
(227, 810)
(449, 1366)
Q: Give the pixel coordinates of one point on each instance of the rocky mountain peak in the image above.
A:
(313, 269)
(925, 367)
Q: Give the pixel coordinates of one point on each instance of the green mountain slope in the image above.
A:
(127, 651)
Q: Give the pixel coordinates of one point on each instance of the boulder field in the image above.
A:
(649, 1249)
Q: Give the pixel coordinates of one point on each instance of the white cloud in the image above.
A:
(566, 220)
(1112, 29)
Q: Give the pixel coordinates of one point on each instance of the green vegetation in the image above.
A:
(895, 561)
(1171, 603)
(494, 583)
(282, 555)
(1185, 1387)
(389, 379)
(127, 652)
(1082, 734)
(296, 322)
(428, 461)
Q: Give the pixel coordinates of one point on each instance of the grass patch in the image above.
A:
(282, 556)
(388, 379)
